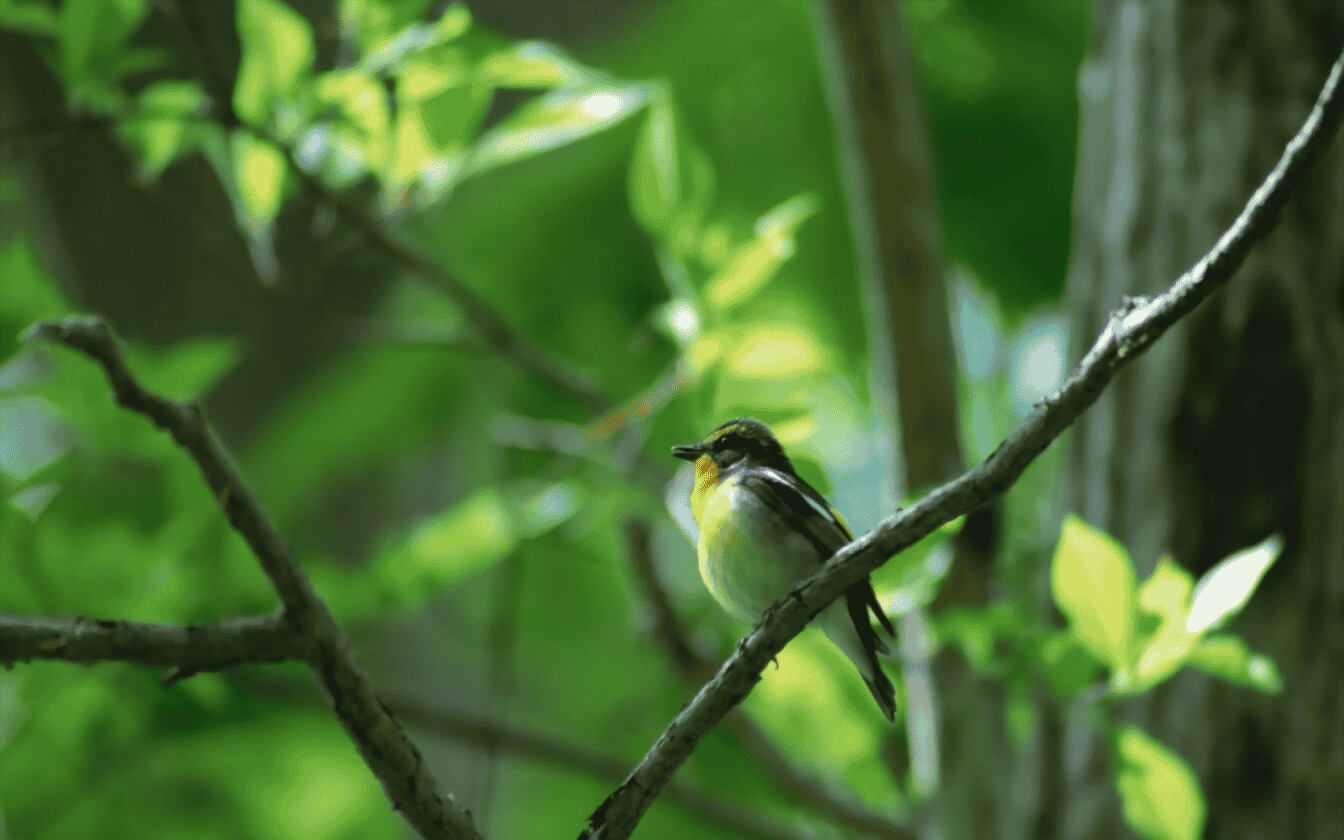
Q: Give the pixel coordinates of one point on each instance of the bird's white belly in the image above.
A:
(748, 556)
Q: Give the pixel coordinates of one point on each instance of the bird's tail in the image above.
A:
(851, 630)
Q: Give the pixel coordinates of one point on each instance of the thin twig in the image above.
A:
(390, 755)
(1129, 333)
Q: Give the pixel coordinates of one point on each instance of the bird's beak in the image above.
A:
(688, 453)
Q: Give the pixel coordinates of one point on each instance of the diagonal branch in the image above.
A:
(385, 748)
(1134, 328)
(187, 648)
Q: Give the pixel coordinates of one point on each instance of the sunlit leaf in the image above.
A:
(556, 119)
(1160, 795)
(754, 263)
(277, 54)
(671, 181)
(1228, 657)
(911, 580)
(163, 126)
(774, 351)
(1092, 581)
(533, 64)
(259, 177)
(1166, 594)
(1225, 589)
(362, 105)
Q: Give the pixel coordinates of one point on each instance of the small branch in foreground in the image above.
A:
(377, 735)
(187, 648)
(1130, 332)
(494, 735)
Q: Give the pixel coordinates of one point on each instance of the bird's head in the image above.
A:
(743, 439)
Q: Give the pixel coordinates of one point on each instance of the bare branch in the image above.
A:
(187, 648)
(390, 755)
(1130, 332)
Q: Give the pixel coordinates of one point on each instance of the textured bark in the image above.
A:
(1233, 427)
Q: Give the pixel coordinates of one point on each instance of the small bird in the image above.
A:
(763, 529)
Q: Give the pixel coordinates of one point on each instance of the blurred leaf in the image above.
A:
(373, 19)
(1160, 795)
(160, 129)
(753, 264)
(1165, 594)
(774, 351)
(1225, 589)
(259, 178)
(186, 371)
(534, 64)
(362, 104)
(1068, 667)
(1228, 657)
(911, 579)
(92, 34)
(1092, 581)
(277, 53)
(26, 293)
(32, 17)
(32, 436)
(553, 120)
(671, 179)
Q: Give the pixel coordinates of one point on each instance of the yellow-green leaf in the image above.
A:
(1228, 657)
(1160, 794)
(1092, 580)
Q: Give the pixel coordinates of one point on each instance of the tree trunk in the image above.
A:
(1232, 427)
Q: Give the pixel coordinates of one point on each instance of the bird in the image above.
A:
(763, 529)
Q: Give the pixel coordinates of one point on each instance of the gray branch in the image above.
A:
(187, 648)
(380, 740)
(1131, 330)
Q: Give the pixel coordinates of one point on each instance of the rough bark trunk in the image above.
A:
(1233, 426)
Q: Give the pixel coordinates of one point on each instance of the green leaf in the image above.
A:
(1068, 667)
(1165, 594)
(556, 119)
(1092, 581)
(911, 580)
(1228, 657)
(534, 64)
(92, 33)
(1160, 794)
(31, 18)
(752, 265)
(277, 46)
(161, 130)
(1225, 589)
(185, 371)
(259, 178)
(671, 180)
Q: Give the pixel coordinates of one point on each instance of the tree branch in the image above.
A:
(494, 735)
(187, 648)
(390, 755)
(1131, 330)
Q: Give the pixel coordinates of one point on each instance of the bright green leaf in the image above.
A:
(533, 64)
(1228, 657)
(753, 264)
(259, 177)
(277, 48)
(1092, 581)
(671, 180)
(911, 580)
(92, 34)
(162, 127)
(449, 547)
(1160, 795)
(1225, 589)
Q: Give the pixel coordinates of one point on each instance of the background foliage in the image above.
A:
(653, 199)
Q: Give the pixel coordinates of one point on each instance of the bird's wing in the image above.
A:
(826, 530)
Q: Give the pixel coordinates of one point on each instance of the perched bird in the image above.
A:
(763, 529)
